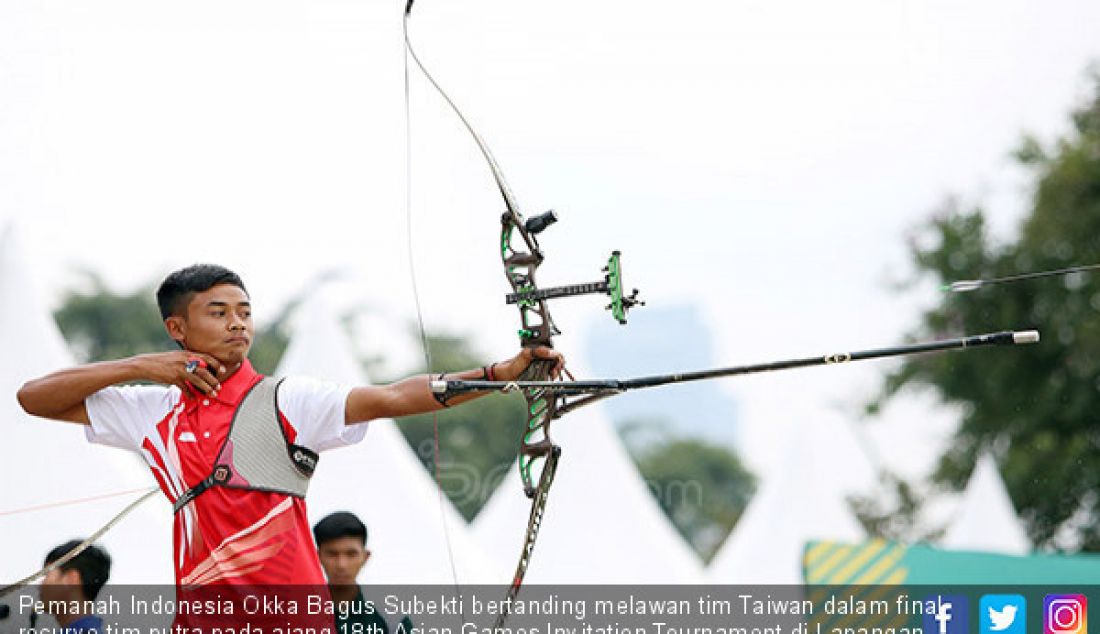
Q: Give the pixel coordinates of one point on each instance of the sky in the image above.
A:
(701, 409)
(766, 162)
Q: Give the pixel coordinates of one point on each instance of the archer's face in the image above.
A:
(342, 558)
(218, 322)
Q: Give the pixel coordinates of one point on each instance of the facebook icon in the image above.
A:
(945, 614)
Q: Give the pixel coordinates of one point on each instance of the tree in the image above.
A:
(101, 325)
(1037, 408)
(703, 488)
(477, 442)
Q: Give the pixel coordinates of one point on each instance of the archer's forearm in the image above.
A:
(416, 397)
(59, 392)
(403, 398)
(414, 394)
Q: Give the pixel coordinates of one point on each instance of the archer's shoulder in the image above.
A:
(298, 389)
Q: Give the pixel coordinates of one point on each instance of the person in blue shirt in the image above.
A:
(77, 582)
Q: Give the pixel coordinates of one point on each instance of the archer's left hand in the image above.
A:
(511, 369)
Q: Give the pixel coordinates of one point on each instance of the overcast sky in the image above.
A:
(763, 160)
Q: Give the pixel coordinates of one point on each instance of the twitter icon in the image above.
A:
(1002, 614)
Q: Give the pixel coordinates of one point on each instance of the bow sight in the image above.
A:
(612, 283)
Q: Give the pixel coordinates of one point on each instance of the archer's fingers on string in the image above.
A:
(199, 381)
(201, 385)
(202, 371)
(208, 378)
(213, 365)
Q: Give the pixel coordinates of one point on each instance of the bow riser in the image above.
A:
(537, 329)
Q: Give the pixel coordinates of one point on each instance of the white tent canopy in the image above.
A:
(800, 499)
(49, 464)
(986, 519)
(601, 523)
(380, 479)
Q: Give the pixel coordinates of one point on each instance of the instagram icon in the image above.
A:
(1065, 614)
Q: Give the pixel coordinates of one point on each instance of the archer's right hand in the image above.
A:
(185, 369)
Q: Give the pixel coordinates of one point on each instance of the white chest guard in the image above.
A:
(256, 454)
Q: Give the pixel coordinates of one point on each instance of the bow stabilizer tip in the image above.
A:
(1025, 336)
(1006, 338)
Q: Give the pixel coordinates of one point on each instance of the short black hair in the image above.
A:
(337, 525)
(93, 564)
(176, 290)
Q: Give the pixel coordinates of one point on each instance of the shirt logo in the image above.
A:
(187, 436)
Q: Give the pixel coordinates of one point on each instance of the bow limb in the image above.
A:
(520, 256)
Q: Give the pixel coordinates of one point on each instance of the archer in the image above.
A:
(232, 450)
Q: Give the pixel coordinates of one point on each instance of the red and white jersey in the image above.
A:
(225, 535)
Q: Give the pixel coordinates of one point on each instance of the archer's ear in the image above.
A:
(176, 327)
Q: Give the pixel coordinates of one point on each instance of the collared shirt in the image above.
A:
(225, 535)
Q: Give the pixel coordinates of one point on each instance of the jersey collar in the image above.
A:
(232, 389)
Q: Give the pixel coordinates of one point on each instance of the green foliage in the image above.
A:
(101, 325)
(892, 516)
(268, 347)
(477, 441)
(701, 487)
(1036, 407)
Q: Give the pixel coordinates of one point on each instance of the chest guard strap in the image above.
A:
(256, 454)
